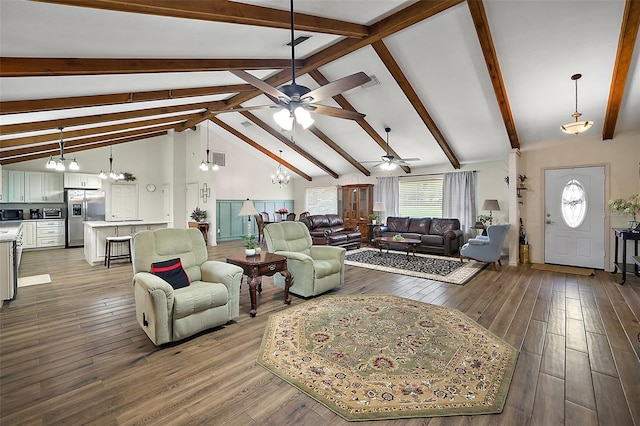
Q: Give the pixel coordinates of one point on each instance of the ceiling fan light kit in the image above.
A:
(576, 127)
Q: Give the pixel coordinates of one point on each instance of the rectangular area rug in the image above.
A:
(34, 280)
(438, 268)
(564, 269)
(374, 357)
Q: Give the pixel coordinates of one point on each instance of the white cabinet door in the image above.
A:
(53, 188)
(82, 181)
(124, 202)
(4, 192)
(43, 187)
(92, 182)
(29, 239)
(16, 186)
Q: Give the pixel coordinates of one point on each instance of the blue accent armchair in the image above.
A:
(486, 248)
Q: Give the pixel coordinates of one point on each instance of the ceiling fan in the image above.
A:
(295, 102)
(388, 161)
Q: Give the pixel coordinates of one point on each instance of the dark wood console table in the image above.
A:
(203, 227)
(255, 267)
(625, 234)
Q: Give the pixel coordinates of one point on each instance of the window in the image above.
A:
(574, 204)
(322, 200)
(421, 197)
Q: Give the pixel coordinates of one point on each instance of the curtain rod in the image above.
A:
(427, 174)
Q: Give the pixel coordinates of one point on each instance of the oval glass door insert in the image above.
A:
(574, 204)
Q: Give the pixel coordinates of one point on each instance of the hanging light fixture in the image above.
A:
(59, 165)
(576, 127)
(206, 164)
(281, 177)
(112, 175)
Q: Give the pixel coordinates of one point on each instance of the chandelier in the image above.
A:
(59, 165)
(281, 177)
(576, 127)
(112, 175)
(206, 164)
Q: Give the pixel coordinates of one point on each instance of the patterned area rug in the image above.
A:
(439, 268)
(386, 357)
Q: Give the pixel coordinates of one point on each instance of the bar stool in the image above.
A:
(120, 241)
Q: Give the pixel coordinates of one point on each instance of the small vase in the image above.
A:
(250, 252)
(258, 250)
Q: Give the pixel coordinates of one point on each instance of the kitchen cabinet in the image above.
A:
(29, 239)
(356, 206)
(15, 186)
(50, 233)
(41, 187)
(1, 186)
(4, 187)
(82, 181)
(96, 233)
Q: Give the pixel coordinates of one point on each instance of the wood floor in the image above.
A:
(72, 353)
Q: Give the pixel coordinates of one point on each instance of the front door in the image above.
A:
(574, 217)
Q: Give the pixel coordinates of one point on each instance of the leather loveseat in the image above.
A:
(439, 236)
(329, 230)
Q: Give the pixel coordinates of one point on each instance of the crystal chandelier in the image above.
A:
(206, 164)
(281, 177)
(112, 175)
(59, 165)
(576, 127)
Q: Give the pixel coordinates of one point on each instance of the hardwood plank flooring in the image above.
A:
(71, 351)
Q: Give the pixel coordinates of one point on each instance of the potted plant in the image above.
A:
(249, 245)
(374, 218)
(198, 215)
(482, 219)
(630, 206)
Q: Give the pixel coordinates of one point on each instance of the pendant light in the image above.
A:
(112, 175)
(576, 127)
(281, 177)
(206, 165)
(59, 165)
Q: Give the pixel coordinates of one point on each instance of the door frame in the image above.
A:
(608, 234)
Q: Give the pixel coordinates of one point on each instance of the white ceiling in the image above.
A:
(539, 45)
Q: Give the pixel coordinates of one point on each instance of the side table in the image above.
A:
(624, 235)
(203, 227)
(255, 267)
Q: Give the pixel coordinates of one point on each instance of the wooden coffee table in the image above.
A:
(408, 243)
(255, 267)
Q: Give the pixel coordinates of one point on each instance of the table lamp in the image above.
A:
(378, 206)
(248, 209)
(491, 205)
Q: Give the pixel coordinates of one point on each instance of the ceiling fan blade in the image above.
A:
(338, 86)
(336, 112)
(257, 83)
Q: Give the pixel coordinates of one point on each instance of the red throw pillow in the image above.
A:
(172, 272)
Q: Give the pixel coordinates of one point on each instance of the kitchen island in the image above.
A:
(96, 232)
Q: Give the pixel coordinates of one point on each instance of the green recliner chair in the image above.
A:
(314, 269)
(167, 314)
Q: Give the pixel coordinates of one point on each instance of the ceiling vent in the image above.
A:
(218, 158)
(298, 40)
(246, 123)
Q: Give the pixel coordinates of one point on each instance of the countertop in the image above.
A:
(9, 230)
(104, 223)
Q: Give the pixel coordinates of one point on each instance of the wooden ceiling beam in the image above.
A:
(30, 67)
(31, 140)
(344, 103)
(257, 146)
(626, 44)
(100, 118)
(264, 126)
(481, 23)
(395, 70)
(82, 147)
(329, 142)
(33, 105)
(225, 11)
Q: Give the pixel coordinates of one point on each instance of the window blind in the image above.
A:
(420, 197)
(322, 200)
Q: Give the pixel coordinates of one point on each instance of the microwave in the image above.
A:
(11, 214)
(51, 213)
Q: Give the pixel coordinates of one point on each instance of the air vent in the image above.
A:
(298, 40)
(246, 123)
(218, 158)
(373, 82)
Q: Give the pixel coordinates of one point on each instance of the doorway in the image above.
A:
(575, 217)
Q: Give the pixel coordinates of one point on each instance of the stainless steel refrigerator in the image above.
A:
(82, 205)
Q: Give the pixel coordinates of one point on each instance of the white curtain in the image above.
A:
(387, 191)
(459, 199)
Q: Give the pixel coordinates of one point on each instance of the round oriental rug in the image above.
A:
(386, 357)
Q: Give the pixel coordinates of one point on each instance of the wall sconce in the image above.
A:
(205, 192)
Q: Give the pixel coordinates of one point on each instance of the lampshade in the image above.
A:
(284, 119)
(248, 209)
(303, 117)
(576, 127)
(378, 206)
(491, 205)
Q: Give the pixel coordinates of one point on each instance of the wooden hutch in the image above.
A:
(357, 205)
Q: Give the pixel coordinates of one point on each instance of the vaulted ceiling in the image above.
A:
(458, 82)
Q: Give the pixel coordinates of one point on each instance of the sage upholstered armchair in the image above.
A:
(486, 248)
(314, 269)
(212, 297)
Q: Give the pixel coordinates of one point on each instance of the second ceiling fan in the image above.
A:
(296, 101)
(389, 161)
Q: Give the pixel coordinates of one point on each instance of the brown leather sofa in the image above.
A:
(439, 236)
(329, 230)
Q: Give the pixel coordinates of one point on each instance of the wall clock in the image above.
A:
(151, 187)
